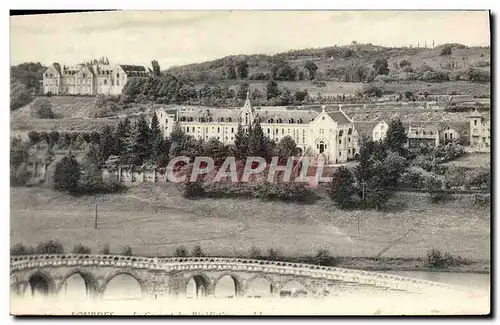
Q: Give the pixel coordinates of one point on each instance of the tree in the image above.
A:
(446, 51)
(156, 68)
(34, 137)
(50, 247)
(272, 90)
(42, 108)
(67, 174)
(242, 69)
(138, 147)
(80, 249)
(156, 138)
(230, 72)
(126, 251)
(106, 144)
(342, 187)
(181, 251)
(90, 172)
(19, 95)
(197, 251)
(396, 138)
(242, 90)
(241, 142)
(381, 67)
(257, 144)
(121, 133)
(286, 148)
(311, 67)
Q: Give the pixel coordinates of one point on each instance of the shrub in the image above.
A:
(482, 200)
(181, 251)
(105, 250)
(292, 192)
(273, 254)
(435, 188)
(197, 251)
(324, 258)
(50, 247)
(67, 174)
(20, 176)
(255, 253)
(42, 109)
(20, 249)
(342, 187)
(80, 249)
(126, 251)
(437, 259)
(192, 189)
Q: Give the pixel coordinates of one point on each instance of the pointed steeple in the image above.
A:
(248, 104)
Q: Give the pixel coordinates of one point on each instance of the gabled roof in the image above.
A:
(365, 128)
(339, 117)
(135, 70)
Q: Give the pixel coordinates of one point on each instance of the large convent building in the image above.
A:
(316, 131)
(89, 79)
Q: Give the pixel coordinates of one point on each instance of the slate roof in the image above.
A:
(339, 117)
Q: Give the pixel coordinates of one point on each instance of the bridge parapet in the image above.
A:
(172, 264)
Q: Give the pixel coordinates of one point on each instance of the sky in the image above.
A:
(183, 37)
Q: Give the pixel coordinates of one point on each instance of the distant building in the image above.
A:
(480, 137)
(89, 79)
(418, 135)
(330, 134)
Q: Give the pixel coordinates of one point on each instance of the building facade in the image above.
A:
(330, 134)
(480, 137)
(89, 79)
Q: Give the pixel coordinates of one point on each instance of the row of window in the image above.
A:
(230, 119)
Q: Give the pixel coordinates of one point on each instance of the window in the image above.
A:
(340, 153)
(199, 129)
(349, 139)
(117, 75)
(416, 132)
(340, 141)
(349, 151)
(282, 131)
(218, 130)
(451, 135)
(232, 130)
(105, 81)
(117, 82)
(475, 122)
(268, 130)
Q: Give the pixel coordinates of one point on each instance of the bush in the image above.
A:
(255, 253)
(50, 247)
(324, 258)
(291, 192)
(80, 249)
(197, 251)
(20, 249)
(105, 250)
(126, 251)
(435, 188)
(67, 174)
(192, 189)
(437, 259)
(482, 200)
(181, 251)
(20, 176)
(42, 109)
(273, 254)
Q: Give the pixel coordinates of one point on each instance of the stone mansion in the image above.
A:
(316, 132)
(332, 134)
(90, 79)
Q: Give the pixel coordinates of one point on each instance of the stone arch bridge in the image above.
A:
(160, 277)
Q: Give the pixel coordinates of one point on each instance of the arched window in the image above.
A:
(229, 119)
(291, 120)
(340, 141)
(270, 120)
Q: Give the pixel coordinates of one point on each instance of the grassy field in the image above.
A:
(154, 220)
(472, 161)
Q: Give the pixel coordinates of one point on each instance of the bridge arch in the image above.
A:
(237, 282)
(116, 273)
(91, 285)
(309, 288)
(260, 277)
(42, 282)
(202, 284)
